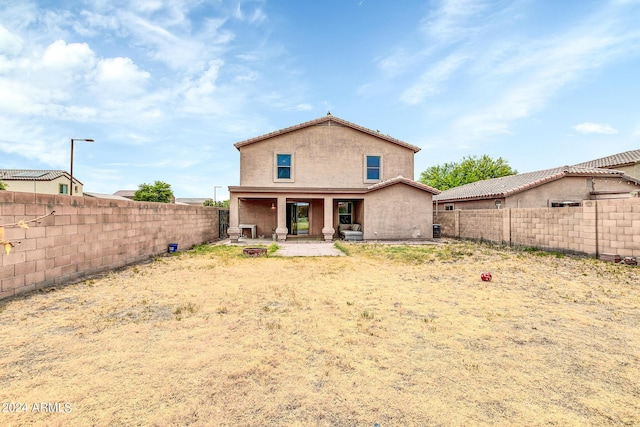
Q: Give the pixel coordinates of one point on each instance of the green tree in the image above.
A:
(157, 192)
(3, 186)
(210, 202)
(469, 169)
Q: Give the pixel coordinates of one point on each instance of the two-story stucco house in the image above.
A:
(307, 179)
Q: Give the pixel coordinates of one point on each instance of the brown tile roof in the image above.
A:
(509, 185)
(32, 175)
(620, 159)
(192, 200)
(104, 196)
(324, 119)
(403, 180)
(125, 193)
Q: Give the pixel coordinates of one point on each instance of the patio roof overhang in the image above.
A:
(305, 190)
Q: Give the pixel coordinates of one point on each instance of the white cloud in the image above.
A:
(9, 43)
(595, 128)
(120, 75)
(430, 82)
(60, 55)
(452, 20)
(32, 140)
(514, 79)
(257, 15)
(304, 107)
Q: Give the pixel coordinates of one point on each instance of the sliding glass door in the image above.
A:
(298, 218)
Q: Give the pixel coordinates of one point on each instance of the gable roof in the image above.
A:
(192, 200)
(104, 196)
(620, 159)
(329, 119)
(125, 193)
(33, 175)
(402, 180)
(509, 185)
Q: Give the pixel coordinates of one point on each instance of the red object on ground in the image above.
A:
(486, 277)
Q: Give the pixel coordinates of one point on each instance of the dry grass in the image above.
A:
(389, 335)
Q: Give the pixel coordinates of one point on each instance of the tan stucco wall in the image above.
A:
(259, 212)
(472, 204)
(398, 212)
(323, 156)
(42, 187)
(631, 170)
(568, 188)
(565, 189)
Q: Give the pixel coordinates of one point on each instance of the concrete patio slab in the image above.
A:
(307, 249)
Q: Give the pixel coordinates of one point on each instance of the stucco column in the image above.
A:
(233, 230)
(328, 229)
(282, 231)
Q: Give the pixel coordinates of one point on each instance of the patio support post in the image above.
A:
(233, 231)
(282, 231)
(328, 229)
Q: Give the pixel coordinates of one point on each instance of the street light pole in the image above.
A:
(214, 194)
(71, 178)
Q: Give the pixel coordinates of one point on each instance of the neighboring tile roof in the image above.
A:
(125, 193)
(105, 196)
(620, 159)
(509, 185)
(327, 118)
(192, 200)
(403, 180)
(32, 175)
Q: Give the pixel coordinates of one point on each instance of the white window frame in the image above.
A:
(364, 168)
(291, 167)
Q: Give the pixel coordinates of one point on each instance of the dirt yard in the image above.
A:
(389, 335)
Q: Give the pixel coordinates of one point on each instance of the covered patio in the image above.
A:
(291, 215)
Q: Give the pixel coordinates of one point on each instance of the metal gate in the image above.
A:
(223, 223)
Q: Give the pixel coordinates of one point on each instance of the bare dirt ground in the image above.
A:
(393, 335)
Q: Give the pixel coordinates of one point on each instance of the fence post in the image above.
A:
(506, 226)
(589, 228)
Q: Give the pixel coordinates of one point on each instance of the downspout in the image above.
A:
(595, 202)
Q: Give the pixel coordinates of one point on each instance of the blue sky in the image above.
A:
(166, 87)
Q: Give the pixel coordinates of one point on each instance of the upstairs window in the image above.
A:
(373, 168)
(284, 166)
(63, 189)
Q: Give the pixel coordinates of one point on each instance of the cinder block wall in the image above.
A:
(596, 227)
(447, 221)
(485, 224)
(619, 227)
(561, 229)
(89, 235)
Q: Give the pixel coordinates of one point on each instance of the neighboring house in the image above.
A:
(128, 194)
(627, 162)
(195, 201)
(307, 179)
(105, 196)
(558, 187)
(40, 181)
